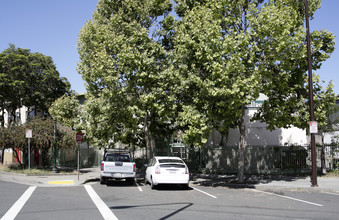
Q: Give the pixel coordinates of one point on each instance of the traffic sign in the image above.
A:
(79, 137)
(29, 133)
(313, 127)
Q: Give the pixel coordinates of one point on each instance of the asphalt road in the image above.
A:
(118, 200)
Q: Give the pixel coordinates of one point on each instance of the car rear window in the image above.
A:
(170, 161)
(116, 157)
(172, 165)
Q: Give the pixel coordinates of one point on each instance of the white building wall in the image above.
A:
(258, 135)
(330, 137)
(23, 115)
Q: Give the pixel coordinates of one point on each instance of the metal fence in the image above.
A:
(217, 159)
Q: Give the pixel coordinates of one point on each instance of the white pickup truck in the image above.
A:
(117, 164)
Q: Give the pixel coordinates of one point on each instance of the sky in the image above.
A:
(51, 27)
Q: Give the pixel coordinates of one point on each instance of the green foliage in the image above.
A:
(225, 53)
(28, 79)
(333, 118)
(67, 110)
(43, 135)
(13, 136)
(123, 67)
(199, 72)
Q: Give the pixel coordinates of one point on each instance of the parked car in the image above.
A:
(117, 165)
(167, 170)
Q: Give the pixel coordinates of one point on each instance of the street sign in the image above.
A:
(313, 127)
(29, 133)
(79, 137)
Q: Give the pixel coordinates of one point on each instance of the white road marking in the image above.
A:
(287, 197)
(138, 187)
(104, 210)
(17, 206)
(336, 194)
(204, 192)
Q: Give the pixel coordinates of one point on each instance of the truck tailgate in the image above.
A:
(119, 167)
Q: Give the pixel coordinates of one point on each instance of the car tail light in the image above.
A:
(134, 168)
(102, 166)
(157, 170)
(186, 170)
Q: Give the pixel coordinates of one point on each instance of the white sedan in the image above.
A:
(167, 170)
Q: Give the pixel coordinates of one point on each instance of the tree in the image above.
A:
(28, 79)
(331, 114)
(227, 52)
(13, 137)
(43, 137)
(67, 111)
(13, 66)
(198, 72)
(123, 67)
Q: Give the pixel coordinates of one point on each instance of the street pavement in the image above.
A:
(92, 175)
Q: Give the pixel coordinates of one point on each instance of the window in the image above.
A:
(170, 161)
(152, 162)
(117, 158)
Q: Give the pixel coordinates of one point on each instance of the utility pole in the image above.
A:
(310, 85)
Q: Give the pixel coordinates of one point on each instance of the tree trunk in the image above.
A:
(2, 119)
(322, 156)
(242, 145)
(2, 155)
(13, 113)
(148, 137)
(16, 155)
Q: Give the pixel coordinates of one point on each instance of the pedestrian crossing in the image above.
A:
(58, 201)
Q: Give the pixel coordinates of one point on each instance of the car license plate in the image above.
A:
(172, 171)
(116, 175)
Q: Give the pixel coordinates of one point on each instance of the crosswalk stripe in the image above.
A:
(17, 206)
(104, 210)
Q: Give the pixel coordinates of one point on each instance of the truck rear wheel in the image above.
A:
(102, 180)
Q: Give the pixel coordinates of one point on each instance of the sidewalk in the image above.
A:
(86, 175)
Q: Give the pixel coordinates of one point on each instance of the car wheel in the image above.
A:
(152, 184)
(185, 186)
(102, 180)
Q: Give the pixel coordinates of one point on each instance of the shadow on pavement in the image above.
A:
(182, 207)
(231, 181)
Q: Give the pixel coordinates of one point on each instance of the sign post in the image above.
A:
(29, 136)
(310, 84)
(79, 137)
